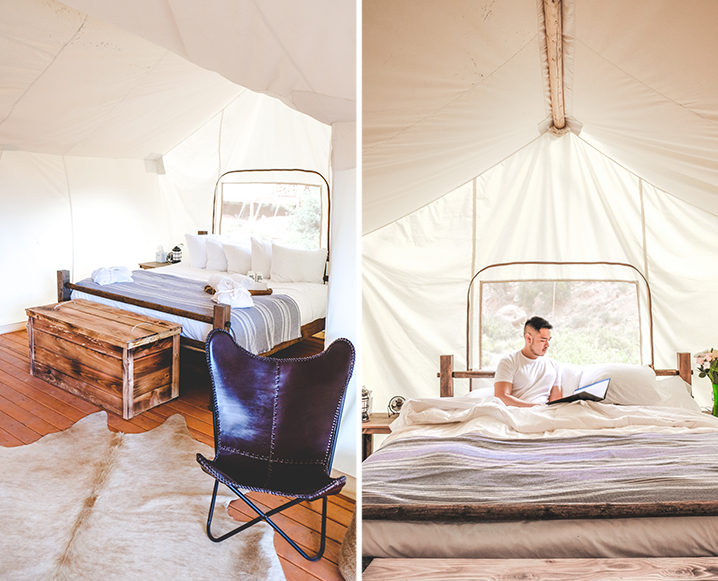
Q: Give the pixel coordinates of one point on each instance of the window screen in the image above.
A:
(288, 206)
(290, 214)
(594, 321)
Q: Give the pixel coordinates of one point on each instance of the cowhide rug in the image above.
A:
(87, 503)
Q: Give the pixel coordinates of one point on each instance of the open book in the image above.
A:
(593, 391)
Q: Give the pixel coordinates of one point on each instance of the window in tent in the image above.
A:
(290, 208)
(594, 321)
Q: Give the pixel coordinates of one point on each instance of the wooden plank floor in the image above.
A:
(629, 569)
(31, 408)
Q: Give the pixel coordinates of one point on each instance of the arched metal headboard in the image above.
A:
(558, 263)
(309, 171)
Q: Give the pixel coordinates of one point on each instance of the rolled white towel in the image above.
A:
(230, 292)
(236, 298)
(220, 282)
(121, 274)
(102, 276)
(105, 275)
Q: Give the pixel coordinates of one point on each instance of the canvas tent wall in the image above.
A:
(116, 119)
(460, 170)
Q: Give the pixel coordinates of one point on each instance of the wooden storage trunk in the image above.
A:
(122, 361)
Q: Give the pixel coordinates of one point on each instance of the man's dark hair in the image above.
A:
(537, 323)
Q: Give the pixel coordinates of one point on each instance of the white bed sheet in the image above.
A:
(311, 298)
(490, 417)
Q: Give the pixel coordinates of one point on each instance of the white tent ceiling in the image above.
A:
(449, 93)
(300, 52)
(460, 170)
(132, 79)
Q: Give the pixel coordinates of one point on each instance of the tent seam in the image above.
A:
(646, 85)
(458, 96)
(300, 72)
(409, 213)
(130, 88)
(42, 73)
(209, 120)
(72, 219)
(643, 227)
(635, 175)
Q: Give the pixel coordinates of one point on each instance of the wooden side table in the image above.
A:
(378, 424)
(148, 265)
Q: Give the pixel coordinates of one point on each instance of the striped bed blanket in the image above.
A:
(272, 320)
(474, 477)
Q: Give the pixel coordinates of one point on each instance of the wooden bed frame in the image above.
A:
(220, 318)
(447, 374)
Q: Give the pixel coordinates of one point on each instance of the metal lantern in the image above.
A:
(175, 255)
(365, 404)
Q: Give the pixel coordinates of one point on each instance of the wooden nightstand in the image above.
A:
(148, 265)
(378, 424)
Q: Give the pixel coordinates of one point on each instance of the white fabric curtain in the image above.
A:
(71, 213)
(36, 233)
(343, 318)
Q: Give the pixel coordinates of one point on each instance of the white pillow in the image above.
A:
(293, 265)
(216, 260)
(239, 258)
(481, 388)
(197, 247)
(261, 256)
(630, 384)
(674, 392)
(570, 377)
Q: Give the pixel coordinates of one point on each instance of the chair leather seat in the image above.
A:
(306, 481)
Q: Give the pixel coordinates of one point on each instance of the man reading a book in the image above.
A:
(527, 377)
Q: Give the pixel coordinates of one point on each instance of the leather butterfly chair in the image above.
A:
(275, 426)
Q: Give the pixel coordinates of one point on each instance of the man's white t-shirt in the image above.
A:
(532, 379)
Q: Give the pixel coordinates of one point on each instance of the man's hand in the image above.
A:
(555, 393)
(503, 389)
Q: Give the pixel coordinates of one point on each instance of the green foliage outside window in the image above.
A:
(593, 321)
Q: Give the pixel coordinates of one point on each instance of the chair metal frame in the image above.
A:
(264, 516)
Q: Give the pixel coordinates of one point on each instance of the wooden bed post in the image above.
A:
(63, 293)
(683, 362)
(446, 375)
(221, 315)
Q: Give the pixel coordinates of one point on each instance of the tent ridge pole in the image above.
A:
(553, 31)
